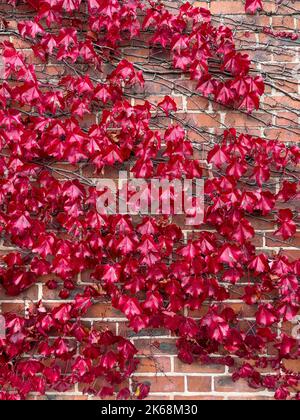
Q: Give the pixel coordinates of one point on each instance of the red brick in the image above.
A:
(197, 368)
(277, 241)
(244, 121)
(155, 365)
(103, 310)
(227, 7)
(199, 383)
(226, 384)
(166, 383)
(293, 365)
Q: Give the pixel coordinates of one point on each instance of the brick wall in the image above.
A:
(279, 62)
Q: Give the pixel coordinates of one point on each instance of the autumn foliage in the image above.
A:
(144, 267)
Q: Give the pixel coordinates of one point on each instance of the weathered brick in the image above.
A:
(227, 7)
(166, 383)
(225, 384)
(155, 365)
(197, 367)
(199, 383)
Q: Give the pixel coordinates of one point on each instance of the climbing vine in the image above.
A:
(145, 268)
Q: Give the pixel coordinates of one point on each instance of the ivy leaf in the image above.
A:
(168, 105)
(252, 6)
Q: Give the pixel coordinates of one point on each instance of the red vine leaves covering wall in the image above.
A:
(142, 266)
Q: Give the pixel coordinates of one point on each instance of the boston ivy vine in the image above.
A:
(144, 268)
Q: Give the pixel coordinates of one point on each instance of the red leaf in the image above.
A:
(218, 156)
(259, 264)
(266, 316)
(168, 105)
(287, 227)
(252, 6)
